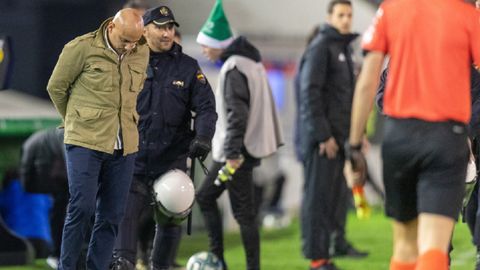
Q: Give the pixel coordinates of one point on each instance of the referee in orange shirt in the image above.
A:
(427, 99)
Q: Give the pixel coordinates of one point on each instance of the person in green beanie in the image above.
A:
(247, 130)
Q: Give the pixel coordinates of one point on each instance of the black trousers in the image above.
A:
(167, 237)
(324, 204)
(241, 193)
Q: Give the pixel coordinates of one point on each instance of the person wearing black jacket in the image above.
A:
(175, 87)
(42, 170)
(326, 81)
(247, 130)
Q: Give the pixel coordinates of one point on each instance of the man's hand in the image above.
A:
(355, 169)
(329, 148)
(199, 148)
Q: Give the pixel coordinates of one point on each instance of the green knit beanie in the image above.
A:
(216, 32)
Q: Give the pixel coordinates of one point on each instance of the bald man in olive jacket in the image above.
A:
(94, 87)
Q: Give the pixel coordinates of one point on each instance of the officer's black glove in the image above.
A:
(199, 148)
(353, 153)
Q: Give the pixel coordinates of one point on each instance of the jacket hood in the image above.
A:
(241, 46)
(330, 32)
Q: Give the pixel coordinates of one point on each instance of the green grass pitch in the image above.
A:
(281, 249)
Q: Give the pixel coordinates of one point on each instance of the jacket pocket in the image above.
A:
(86, 113)
(99, 76)
(87, 125)
(137, 75)
(176, 106)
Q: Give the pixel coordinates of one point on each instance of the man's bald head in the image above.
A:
(125, 30)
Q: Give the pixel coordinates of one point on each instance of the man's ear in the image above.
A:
(110, 26)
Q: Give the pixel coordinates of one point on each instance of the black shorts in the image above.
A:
(424, 168)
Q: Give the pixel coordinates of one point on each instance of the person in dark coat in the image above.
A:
(175, 87)
(42, 170)
(326, 81)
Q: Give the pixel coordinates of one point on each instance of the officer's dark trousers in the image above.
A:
(98, 184)
(240, 191)
(167, 237)
(138, 202)
(324, 206)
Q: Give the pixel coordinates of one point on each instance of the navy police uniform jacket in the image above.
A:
(174, 89)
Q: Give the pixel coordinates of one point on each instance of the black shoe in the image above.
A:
(349, 251)
(329, 266)
(120, 263)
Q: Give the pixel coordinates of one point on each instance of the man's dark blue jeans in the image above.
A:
(98, 184)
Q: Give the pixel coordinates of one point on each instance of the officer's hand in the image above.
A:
(199, 148)
(355, 169)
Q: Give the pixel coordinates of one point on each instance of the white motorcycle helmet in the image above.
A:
(174, 194)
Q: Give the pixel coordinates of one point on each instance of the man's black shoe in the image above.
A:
(120, 263)
(349, 251)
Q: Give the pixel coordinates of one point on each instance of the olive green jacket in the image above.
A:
(96, 94)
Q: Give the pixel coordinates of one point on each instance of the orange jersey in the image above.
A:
(432, 45)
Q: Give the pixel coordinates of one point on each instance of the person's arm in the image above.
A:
(355, 164)
(364, 95)
(69, 66)
(237, 103)
(312, 96)
(203, 104)
(375, 44)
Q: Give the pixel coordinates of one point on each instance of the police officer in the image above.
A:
(175, 87)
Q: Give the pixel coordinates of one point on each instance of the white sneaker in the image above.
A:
(52, 262)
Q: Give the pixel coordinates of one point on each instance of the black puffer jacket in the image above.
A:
(326, 82)
(237, 98)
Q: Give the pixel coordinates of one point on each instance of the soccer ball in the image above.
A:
(204, 261)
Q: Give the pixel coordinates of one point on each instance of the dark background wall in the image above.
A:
(39, 29)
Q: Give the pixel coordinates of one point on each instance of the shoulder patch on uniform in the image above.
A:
(200, 77)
